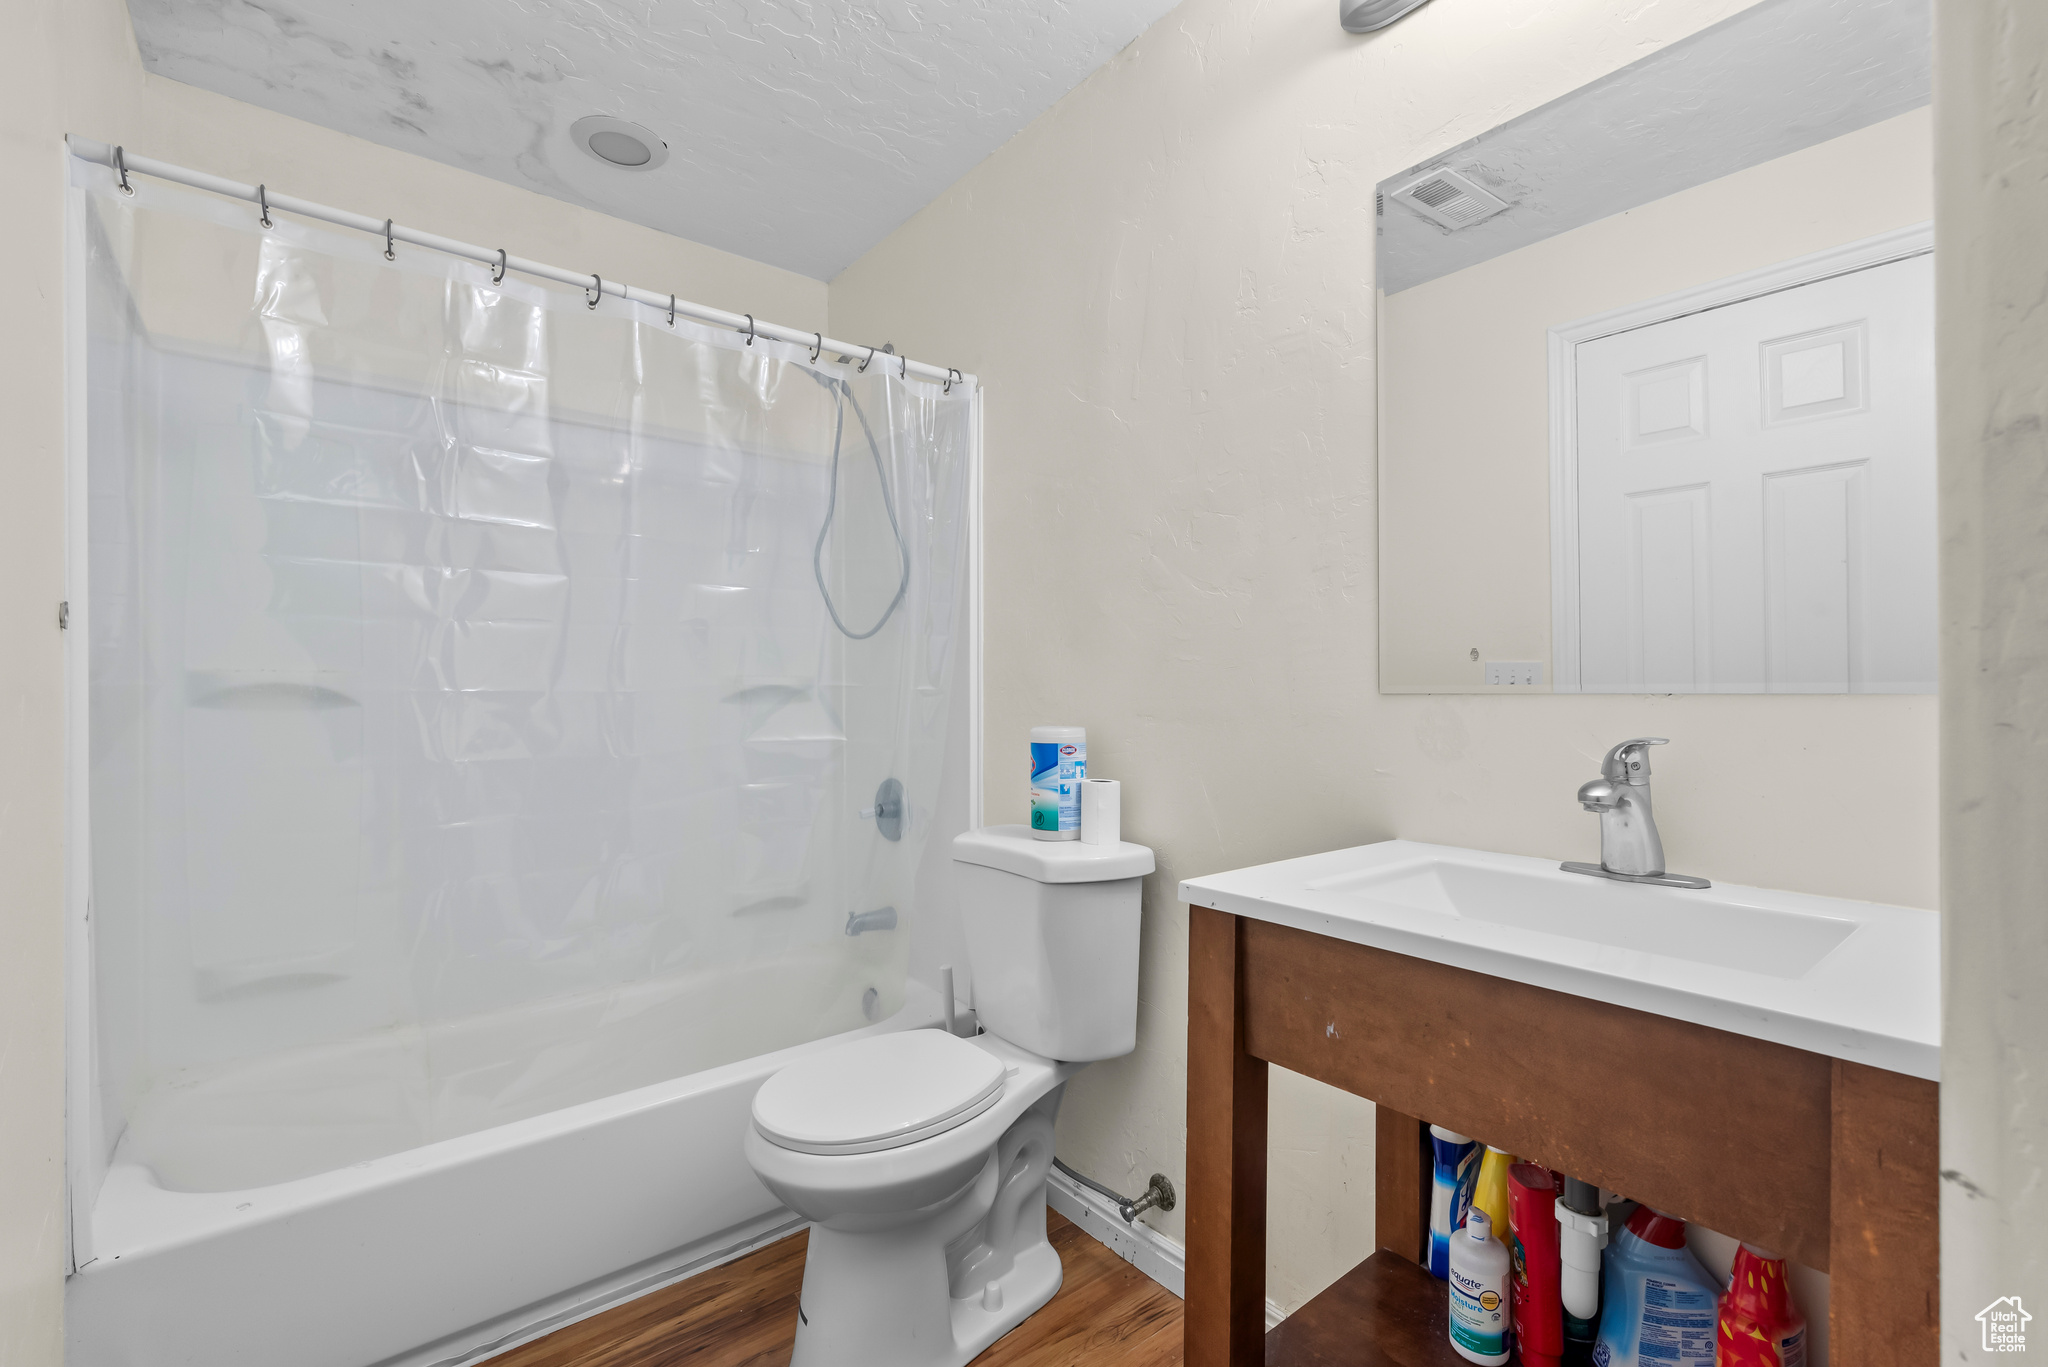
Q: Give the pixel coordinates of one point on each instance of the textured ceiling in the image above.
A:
(1769, 81)
(800, 132)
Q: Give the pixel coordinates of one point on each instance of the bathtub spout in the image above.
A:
(881, 918)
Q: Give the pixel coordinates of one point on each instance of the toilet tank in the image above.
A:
(1052, 936)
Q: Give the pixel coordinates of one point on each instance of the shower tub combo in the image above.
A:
(437, 1254)
(507, 729)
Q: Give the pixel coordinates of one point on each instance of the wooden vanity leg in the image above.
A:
(1225, 1324)
(1400, 1186)
(1884, 1240)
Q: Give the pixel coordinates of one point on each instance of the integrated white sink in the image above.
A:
(1710, 927)
(1855, 980)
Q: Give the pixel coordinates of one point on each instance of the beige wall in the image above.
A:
(1167, 283)
(72, 68)
(1465, 519)
(1991, 278)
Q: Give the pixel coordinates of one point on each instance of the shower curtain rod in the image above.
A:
(101, 154)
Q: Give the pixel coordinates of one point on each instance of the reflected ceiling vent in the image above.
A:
(1363, 16)
(615, 142)
(1445, 197)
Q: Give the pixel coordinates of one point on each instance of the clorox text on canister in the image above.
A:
(1059, 761)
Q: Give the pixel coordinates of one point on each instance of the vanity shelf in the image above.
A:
(1386, 1312)
(1826, 1160)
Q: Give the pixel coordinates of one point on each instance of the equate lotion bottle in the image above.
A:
(1481, 1313)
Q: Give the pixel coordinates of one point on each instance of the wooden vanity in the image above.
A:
(1827, 1162)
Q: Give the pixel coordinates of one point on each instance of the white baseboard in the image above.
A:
(1143, 1247)
(523, 1326)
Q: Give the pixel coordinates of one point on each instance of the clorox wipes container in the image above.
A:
(1059, 761)
(1659, 1303)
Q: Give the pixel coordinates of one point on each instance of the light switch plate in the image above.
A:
(1514, 673)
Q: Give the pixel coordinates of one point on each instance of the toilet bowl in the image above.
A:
(925, 1252)
(921, 1158)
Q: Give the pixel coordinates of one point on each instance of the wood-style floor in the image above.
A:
(1107, 1314)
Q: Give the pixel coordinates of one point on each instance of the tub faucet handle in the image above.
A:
(887, 813)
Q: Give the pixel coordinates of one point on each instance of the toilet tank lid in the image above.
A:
(1013, 849)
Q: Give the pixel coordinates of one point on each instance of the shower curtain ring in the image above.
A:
(593, 291)
(498, 271)
(817, 346)
(906, 365)
(671, 310)
(121, 166)
(263, 202)
(952, 375)
(750, 329)
(390, 247)
(864, 364)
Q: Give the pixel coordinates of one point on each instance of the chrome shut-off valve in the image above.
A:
(1630, 849)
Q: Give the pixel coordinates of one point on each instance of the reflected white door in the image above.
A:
(1756, 494)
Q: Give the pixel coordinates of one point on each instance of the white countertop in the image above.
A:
(1854, 980)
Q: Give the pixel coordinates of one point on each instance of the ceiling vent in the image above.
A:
(627, 146)
(1449, 199)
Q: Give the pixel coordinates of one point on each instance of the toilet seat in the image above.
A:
(878, 1093)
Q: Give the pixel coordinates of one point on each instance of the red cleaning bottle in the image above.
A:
(1760, 1326)
(1539, 1307)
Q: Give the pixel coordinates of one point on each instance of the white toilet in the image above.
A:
(921, 1158)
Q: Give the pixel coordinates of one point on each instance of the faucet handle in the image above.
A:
(1629, 762)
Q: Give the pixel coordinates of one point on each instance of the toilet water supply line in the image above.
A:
(1158, 1192)
(500, 262)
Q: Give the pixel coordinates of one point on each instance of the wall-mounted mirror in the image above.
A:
(1656, 376)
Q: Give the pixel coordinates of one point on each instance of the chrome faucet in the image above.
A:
(1630, 849)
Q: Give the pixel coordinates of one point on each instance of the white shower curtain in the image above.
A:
(487, 710)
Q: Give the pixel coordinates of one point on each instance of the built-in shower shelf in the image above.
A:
(252, 691)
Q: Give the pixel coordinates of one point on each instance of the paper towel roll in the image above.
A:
(1101, 811)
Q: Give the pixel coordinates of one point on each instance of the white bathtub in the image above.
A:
(436, 1254)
